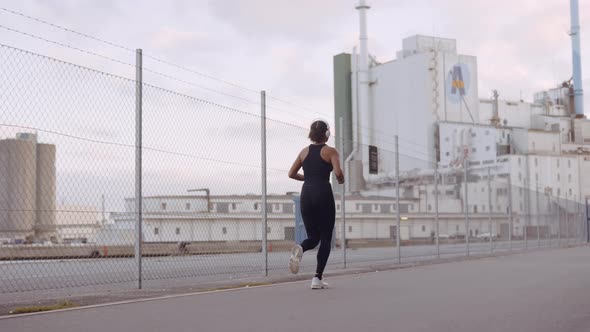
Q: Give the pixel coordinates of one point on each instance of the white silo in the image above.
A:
(18, 190)
(45, 225)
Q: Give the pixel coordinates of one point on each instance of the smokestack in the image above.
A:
(364, 56)
(576, 61)
(365, 127)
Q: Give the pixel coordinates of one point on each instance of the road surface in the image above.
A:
(543, 291)
(24, 276)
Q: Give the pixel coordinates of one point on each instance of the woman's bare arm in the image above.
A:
(335, 160)
(293, 172)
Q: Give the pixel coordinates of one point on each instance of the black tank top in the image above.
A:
(315, 169)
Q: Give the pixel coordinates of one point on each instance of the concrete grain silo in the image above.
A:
(45, 225)
(18, 190)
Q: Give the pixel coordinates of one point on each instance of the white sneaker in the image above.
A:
(316, 283)
(296, 254)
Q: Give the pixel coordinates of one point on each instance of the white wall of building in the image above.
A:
(417, 88)
(459, 141)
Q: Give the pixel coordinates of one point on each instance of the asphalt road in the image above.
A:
(26, 276)
(543, 291)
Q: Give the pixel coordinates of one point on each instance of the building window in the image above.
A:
(349, 228)
(268, 230)
(456, 228)
(569, 163)
(163, 206)
(375, 207)
(519, 177)
(188, 206)
(483, 208)
(536, 162)
(558, 192)
(475, 209)
(558, 177)
(448, 154)
(473, 134)
(557, 163)
(338, 207)
(487, 148)
(571, 192)
(569, 178)
(447, 139)
(177, 230)
(518, 161)
(224, 230)
(156, 231)
(255, 206)
(487, 132)
(423, 228)
(533, 145)
(233, 206)
(358, 206)
(473, 150)
(429, 207)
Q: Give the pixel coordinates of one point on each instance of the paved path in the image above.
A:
(17, 277)
(538, 291)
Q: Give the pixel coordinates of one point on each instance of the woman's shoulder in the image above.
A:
(303, 153)
(329, 149)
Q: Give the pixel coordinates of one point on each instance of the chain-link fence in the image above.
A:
(81, 149)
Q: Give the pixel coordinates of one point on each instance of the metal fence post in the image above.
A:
(263, 162)
(548, 218)
(138, 171)
(397, 208)
(436, 219)
(342, 198)
(466, 206)
(567, 222)
(490, 209)
(558, 223)
(538, 216)
(527, 202)
(510, 216)
(587, 222)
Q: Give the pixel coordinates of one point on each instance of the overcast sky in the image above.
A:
(286, 47)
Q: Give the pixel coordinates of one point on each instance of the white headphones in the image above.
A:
(327, 126)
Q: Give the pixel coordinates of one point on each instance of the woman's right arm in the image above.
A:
(294, 171)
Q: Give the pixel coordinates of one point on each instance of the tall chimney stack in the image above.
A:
(576, 59)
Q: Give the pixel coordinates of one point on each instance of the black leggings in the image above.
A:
(319, 215)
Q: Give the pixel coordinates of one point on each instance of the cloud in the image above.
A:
(305, 20)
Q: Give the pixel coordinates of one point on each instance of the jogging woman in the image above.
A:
(317, 200)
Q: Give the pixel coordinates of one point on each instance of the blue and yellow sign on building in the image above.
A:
(457, 82)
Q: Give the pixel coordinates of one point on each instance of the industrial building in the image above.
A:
(234, 218)
(27, 189)
(536, 152)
